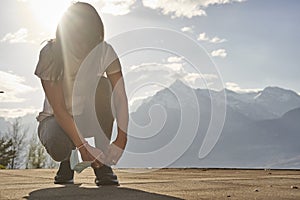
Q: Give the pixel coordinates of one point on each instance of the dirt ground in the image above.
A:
(155, 184)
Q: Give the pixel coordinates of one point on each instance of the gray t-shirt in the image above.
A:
(105, 55)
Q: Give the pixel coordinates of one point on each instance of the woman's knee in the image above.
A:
(54, 139)
(59, 152)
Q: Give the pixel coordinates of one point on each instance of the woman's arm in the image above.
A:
(54, 93)
(55, 97)
(120, 103)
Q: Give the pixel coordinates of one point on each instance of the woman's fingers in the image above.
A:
(113, 155)
(97, 164)
(89, 153)
(96, 153)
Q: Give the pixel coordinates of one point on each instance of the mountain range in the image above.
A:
(261, 129)
(28, 124)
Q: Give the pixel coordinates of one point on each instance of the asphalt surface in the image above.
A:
(158, 184)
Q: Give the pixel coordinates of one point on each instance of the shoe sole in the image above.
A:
(64, 182)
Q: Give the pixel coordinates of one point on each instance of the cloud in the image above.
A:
(187, 8)
(24, 36)
(176, 8)
(236, 88)
(219, 53)
(193, 77)
(113, 7)
(202, 37)
(19, 36)
(215, 40)
(116, 7)
(16, 112)
(207, 3)
(188, 29)
(166, 73)
(13, 86)
(174, 59)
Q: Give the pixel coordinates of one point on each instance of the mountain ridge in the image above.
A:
(255, 133)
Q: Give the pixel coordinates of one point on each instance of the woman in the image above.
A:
(80, 31)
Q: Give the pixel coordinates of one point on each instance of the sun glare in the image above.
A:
(48, 12)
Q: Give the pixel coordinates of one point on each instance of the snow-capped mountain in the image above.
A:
(270, 103)
(28, 123)
(278, 100)
(3, 126)
(261, 129)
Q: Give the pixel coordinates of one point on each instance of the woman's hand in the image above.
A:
(89, 153)
(115, 151)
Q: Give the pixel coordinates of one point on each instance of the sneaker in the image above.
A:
(105, 176)
(64, 174)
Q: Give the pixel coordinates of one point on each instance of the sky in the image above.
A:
(243, 45)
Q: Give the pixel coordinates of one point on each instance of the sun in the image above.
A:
(49, 12)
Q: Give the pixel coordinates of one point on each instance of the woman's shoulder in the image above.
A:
(105, 49)
(109, 49)
(46, 68)
(105, 45)
(48, 47)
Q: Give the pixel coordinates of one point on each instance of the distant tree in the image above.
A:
(36, 154)
(6, 152)
(17, 135)
(50, 163)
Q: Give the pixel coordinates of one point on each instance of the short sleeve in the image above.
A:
(110, 57)
(46, 68)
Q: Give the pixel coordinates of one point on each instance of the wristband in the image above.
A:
(82, 145)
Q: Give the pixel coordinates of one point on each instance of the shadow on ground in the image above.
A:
(107, 192)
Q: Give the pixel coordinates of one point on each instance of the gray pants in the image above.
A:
(57, 142)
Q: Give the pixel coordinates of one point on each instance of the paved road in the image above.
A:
(159, 184)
